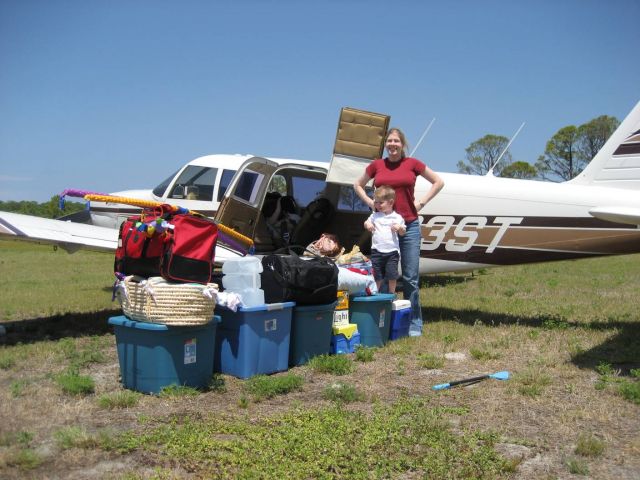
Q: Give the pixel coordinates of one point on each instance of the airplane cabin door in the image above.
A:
(359, 139)
(242, 203)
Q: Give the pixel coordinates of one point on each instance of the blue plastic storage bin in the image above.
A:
(372, 314)
(253, 340)
(153, 356)
(310, 332)
(400, 319)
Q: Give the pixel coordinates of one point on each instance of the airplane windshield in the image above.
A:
(195, 183)
(162, 187)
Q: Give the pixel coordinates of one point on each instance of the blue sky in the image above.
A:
(110, 95)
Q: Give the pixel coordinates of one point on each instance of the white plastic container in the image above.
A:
(252, 297)
(244, 265)
(239, 281)
(400, 304)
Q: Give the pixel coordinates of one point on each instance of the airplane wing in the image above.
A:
(68, 235)
(628, 215)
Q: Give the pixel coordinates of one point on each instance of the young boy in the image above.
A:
(385, 225)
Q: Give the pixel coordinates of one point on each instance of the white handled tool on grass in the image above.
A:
(504, 375)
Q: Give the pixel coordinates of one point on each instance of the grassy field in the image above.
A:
(568, 333)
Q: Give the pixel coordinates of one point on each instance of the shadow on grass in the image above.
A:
(444, 280)
(621, 350)
(58, 326)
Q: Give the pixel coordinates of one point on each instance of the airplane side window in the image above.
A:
(350, 202)
(307, 189)
(248, 186)
(195, 183)
(225, 180)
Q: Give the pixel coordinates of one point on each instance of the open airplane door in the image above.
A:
(240, 208)
(360, 139)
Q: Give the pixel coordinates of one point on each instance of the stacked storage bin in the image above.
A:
(253, 340)
(372, 315)
(153, 356)
(345, 335)
(310, 332)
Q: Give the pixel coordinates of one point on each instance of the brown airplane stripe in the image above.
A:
(502, 256)
(558, 222)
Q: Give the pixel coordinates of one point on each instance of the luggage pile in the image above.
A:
(178, 327)
(164, 266)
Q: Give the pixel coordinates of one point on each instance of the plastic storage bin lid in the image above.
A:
(264, 306)
(375, 298)
(400, 304)
(312, 308)
(123, 321)
(346, 330)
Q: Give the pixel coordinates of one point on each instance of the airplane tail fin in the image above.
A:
(617, 164)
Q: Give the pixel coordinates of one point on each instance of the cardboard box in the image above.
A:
(340, 317)
(343, 300)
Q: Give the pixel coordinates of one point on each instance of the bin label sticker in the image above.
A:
(381, 320)
(190, 351)
(270, 325)
(340, 317)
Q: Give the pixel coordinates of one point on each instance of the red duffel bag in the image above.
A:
(189, 249)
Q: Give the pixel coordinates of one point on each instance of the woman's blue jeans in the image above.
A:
(410, 264)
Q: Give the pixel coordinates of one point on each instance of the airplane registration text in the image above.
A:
(465, 232)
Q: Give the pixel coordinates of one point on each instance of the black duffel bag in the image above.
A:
(304, 280)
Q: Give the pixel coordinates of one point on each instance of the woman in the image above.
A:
(400, 172)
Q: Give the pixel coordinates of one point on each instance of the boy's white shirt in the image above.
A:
(384, 239)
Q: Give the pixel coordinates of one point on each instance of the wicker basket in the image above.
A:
(157, 301)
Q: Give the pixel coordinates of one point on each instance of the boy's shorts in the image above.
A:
(385, 265)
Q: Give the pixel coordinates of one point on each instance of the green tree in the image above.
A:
(593, 135)
(561, 160)
(483, 153)
(519, 169)
(48, 209)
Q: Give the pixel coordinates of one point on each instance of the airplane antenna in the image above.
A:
(490, 172)
(422, 137)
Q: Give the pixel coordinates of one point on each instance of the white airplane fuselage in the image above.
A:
(474, 222)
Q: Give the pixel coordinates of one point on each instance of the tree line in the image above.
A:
(566, 154)
(50, 209)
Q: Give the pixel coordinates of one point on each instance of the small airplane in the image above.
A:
(475, 221)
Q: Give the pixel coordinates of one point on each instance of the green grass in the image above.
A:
(577, 466)
(364, 354)
(630, 391)
(342, 393)
(543, 323)
(24, 459)
(72, 383)
(333, 364)
(409, 436)
(430, 361)
(262, 387)
(532, 382)
(178, 391)
(116, 400)
(589, 446)
(35, 278)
